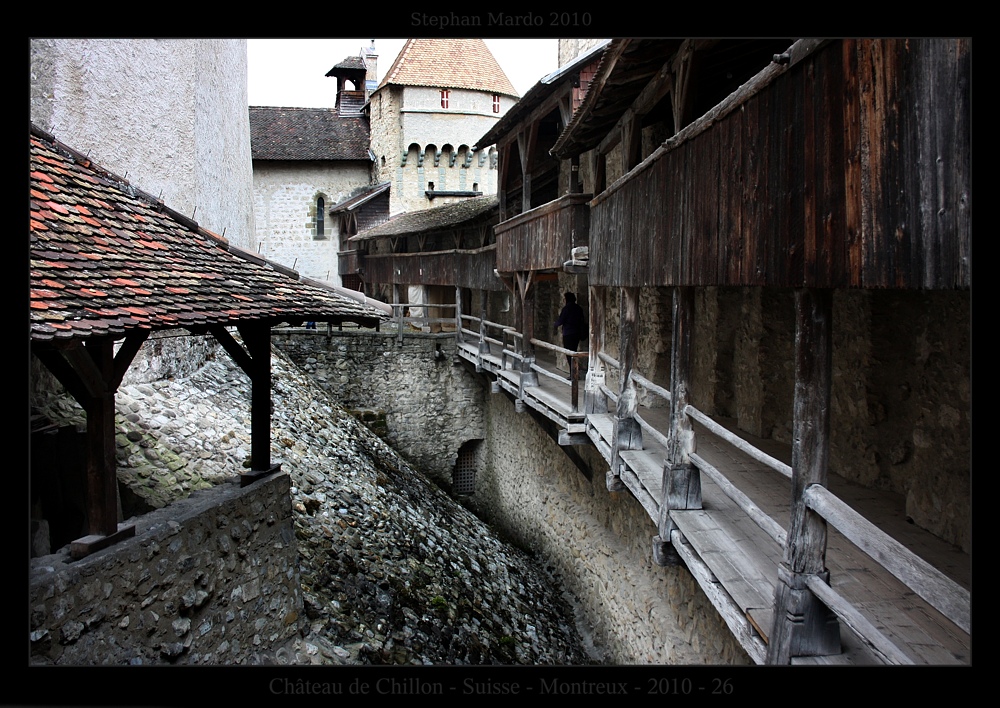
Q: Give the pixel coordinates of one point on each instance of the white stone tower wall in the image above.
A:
(170, 114)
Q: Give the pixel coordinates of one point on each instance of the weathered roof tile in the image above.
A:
(125, 261)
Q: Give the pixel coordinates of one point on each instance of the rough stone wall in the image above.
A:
(902, 397)
(170, 114)
(285, 209)
(600, 544)
(570, 49)
(901, 387)
(432, 405)
(209, 579)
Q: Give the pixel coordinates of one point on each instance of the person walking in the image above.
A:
(574, 326)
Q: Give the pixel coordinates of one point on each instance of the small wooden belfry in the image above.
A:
(111, 263)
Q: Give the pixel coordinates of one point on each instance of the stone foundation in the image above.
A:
(211, 579)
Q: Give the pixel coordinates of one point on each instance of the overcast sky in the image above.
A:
(292, 72)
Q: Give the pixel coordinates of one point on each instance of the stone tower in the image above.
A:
(438, 97)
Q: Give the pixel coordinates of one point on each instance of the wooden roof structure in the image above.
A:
(110, 262)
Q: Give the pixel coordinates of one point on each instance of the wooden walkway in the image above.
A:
(735, 561)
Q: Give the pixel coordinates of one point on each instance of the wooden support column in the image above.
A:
(257, 338)
(398, 312)
(91, 374)
(681, 480)
(525, 281)
(484, 346)
(458, 314)
(102, 478)
(627, 433)
(804, 626)
(594, 400)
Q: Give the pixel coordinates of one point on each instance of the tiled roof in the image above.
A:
(426, 220)
(449, 63)
(306, 134)
(106, 258)
(352, 63)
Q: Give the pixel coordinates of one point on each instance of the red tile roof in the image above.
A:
(106, 258)
(449, 63)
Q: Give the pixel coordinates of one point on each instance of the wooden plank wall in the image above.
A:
(851, 169)
(462, 268)
(544, 237)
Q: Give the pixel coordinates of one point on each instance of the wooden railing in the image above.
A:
(945, 595)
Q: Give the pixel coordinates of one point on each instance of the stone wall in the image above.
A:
(901, 388)
(526, 485)
(432, 405)
(285, 196)
(209, 579)
(599, 542)
(170, 115)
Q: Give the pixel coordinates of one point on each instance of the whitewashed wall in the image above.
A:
(170, 114)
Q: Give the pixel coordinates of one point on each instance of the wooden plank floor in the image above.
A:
(743, 560)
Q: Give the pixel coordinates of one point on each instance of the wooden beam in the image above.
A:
(233, 348)
(594, 400)
(804, 626)
(102, 478)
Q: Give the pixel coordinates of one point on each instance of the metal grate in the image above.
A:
(464, 477)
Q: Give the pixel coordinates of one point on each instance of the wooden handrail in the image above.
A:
(768, 525)
(738, 442)
(858, 623)
(944, 594)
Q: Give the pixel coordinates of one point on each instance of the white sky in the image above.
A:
(292, 72)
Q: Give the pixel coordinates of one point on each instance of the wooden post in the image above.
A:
(804, 626)
(627, 433)
(458, 314)
(399, 313)
(528, 376)
(484, 346)
(594, 400)
(102, 477)
(681, 480)
(257, 338)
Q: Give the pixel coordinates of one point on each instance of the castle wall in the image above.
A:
(526, 485)
(431, 405)
(285, 195)
(170, 115)
(205, 581)
(412, 115)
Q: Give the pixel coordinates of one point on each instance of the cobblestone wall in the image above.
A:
(432, 405)
(205, 581)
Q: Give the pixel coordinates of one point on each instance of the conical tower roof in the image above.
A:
(449, 63)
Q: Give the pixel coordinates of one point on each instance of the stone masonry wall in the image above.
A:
(600, 544)
(526, 485)
(205, 581)
(285, 210)
(432, 405)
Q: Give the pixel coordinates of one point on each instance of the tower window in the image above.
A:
(496, 103)
(445, 94)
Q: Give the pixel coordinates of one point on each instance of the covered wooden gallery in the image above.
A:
(437, 256)
(778, 256)
(810, 222)
(109, 265)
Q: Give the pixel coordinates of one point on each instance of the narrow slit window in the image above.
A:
(496, 103)
(445, 95)
(320, 222)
